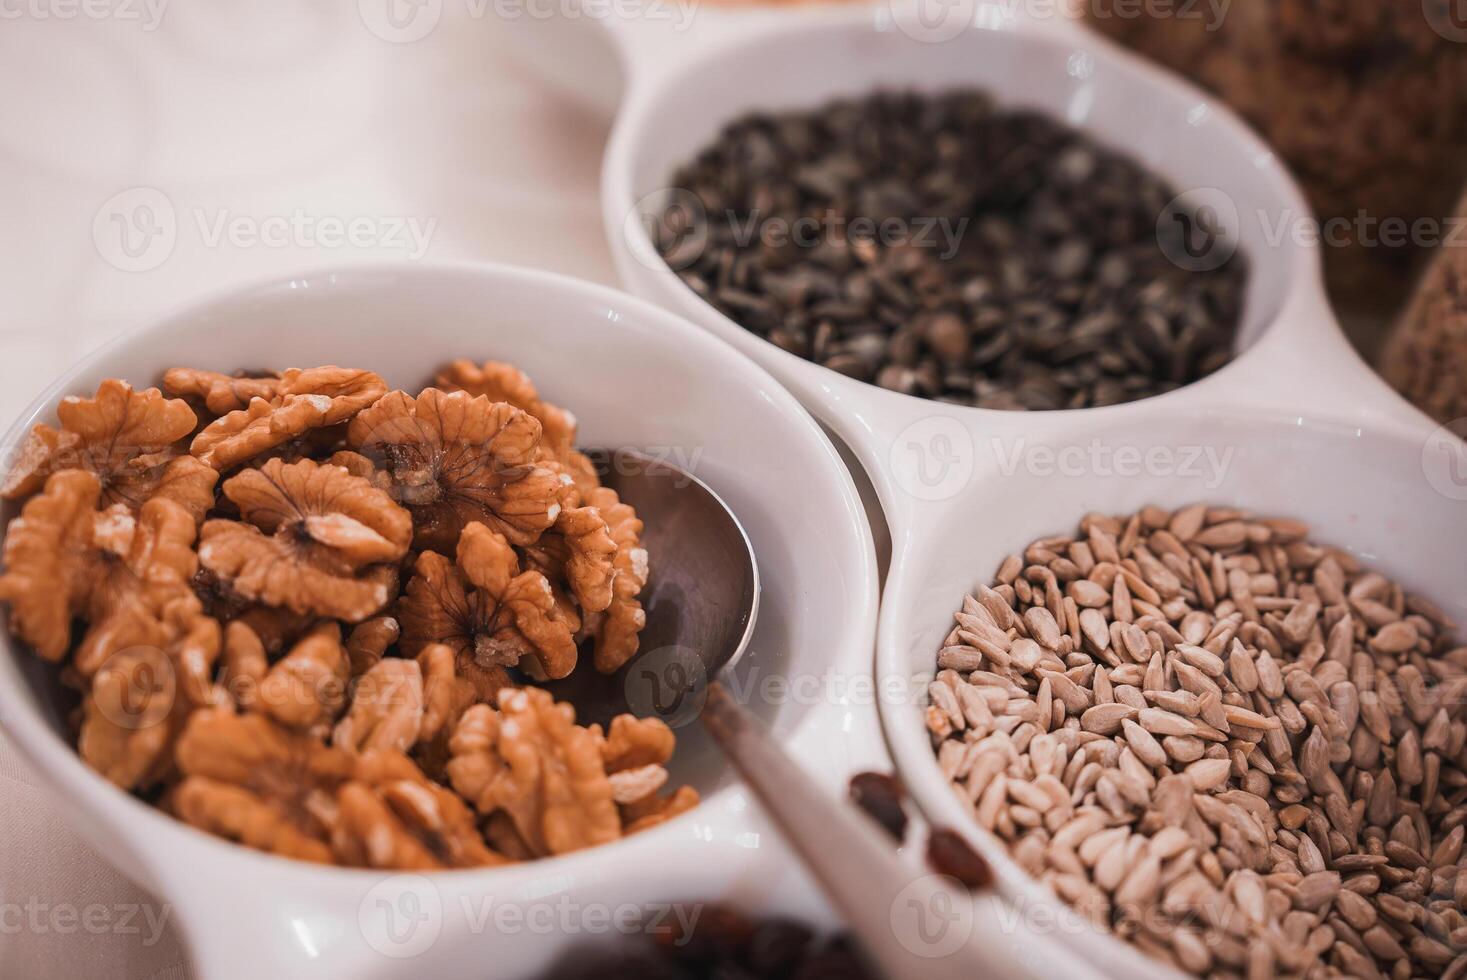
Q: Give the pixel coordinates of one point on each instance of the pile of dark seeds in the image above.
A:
(1007, 261)
(724, 945)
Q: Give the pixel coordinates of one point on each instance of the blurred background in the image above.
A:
(154, 152)
(146, 161)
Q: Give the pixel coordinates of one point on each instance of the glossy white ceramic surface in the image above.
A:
(1296, 425)
(636, 376)
(1361, 488)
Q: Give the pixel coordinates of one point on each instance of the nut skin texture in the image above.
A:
(303, 401)
(306, 689)
(219, 393)
(313, 538)
(189, 483)
(501, 382)
(578, 550)
(276, 627)
(369, 642)
(487, 611)
(244, 664)
(230, 612)
(393, 817)
(648, 813)
(640, 747)
(453, 459)
(618, 628)
(126, 437)
(634, 742)
(439, 608)
(247, 779)
(446, 696)
(533, 762)
(271, 571)
(141, 698)
(386, 709)
(234, 438)
(530, 762)
(525, 599)
(48, 550)
(149, 560)
(340, 512)
(65, 560)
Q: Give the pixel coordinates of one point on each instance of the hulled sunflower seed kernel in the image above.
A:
(1257, 777)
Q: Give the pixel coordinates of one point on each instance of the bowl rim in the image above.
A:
(1294, 316)
(1299, 304)
(62, 773)
(916, 760)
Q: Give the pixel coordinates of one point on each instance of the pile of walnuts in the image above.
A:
(302, 609)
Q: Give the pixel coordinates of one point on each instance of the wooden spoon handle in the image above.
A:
(910, 922)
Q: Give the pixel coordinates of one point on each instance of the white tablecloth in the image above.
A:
(145, 161)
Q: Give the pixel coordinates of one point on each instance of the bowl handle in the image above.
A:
(921, 456)
(1304, 365)
(594, 53)
(255, 940)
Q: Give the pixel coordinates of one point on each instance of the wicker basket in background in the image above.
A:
(1426, 356)
(1365, 99)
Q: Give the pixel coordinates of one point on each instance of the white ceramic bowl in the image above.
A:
(1296, 425)
(670, 113)
(636, 376)
(1362, 488)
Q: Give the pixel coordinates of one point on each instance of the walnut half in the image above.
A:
(217, 572)
(487, 611)
(126, 437)
(313, 538)
(454, 459)
(560, 786)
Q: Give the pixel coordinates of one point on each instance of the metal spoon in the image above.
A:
(701, 600)
(701, 603)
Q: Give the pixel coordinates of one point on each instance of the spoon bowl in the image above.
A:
(701, 603)
(701, 599)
